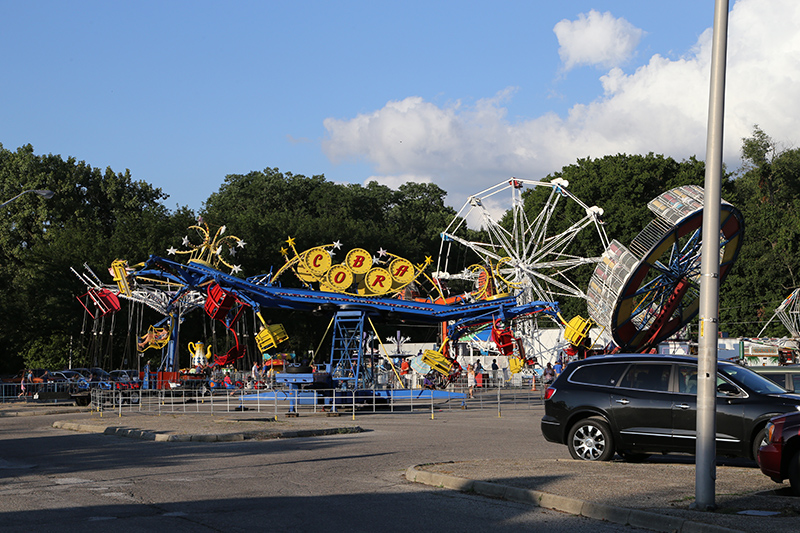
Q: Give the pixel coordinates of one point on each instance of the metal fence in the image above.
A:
(284, 400)
(52, 392)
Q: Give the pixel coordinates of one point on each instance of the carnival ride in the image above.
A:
(789, 314)
(355, 291)
(532, 252)
(641, 294)
(647, 292)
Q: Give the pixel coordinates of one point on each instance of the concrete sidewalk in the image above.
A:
(655, 495)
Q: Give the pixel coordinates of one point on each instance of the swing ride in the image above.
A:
(356, 290)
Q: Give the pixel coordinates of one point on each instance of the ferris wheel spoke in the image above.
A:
(533, 253)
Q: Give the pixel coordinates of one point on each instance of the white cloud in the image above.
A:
(662, 107)
(596, 39)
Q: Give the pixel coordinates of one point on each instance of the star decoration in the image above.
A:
(331, 253)
(222, 229)
(240, 243)
(171, 250)
(290, 241)
(337, 245)
(284, 251)
(382, 252)
(235, 269)
(185, 240)
(428, 260)
(232, 251)
(218, 251)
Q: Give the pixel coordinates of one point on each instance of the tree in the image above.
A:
(768, 194)
(94, 217)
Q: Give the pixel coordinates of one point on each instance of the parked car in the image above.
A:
(779, 458)
(124, 380)
(639, 404)
(72, 375)
(85, 372)
(787, 376)
(124, 375)
(98, 374)
(58, 377)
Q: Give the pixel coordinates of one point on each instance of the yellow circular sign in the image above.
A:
(317, 261)
(378, 281)
(339, 277)
(402, 271)
(358, 260)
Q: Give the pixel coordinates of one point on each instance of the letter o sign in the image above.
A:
(339, 277)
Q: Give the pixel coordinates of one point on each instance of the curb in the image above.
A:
(598, 511)
(212, 437)
(40, 412)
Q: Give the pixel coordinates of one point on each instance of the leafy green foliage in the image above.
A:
(98, 216)
(768, 267)
(94, 217)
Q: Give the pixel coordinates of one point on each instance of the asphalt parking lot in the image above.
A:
(505, 450)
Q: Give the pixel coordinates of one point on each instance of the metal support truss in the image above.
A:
(347, 350)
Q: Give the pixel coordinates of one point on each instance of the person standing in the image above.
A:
(559, 366)
(470, 380)
(405, 368)
(22, 383)
(495, 369)
(549, 374)
(146, 377)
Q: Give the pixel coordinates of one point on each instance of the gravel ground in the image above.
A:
(664, 485)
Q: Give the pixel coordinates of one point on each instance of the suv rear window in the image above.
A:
(605, 374)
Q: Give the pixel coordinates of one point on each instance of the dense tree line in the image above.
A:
(98, 216)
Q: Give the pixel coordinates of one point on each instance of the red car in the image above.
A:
(780, 457)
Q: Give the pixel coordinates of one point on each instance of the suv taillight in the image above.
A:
(549, 393)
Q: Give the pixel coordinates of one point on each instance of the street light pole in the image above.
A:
(44, 193)
(706, 445)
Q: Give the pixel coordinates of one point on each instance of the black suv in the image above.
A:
(639, 404)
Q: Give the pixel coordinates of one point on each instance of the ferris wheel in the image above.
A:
(531, 256)
(789, 314)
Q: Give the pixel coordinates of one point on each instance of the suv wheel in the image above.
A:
(758, 442)
(794, 473)
(590, 440)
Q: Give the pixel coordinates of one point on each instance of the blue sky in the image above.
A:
(463, 94)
